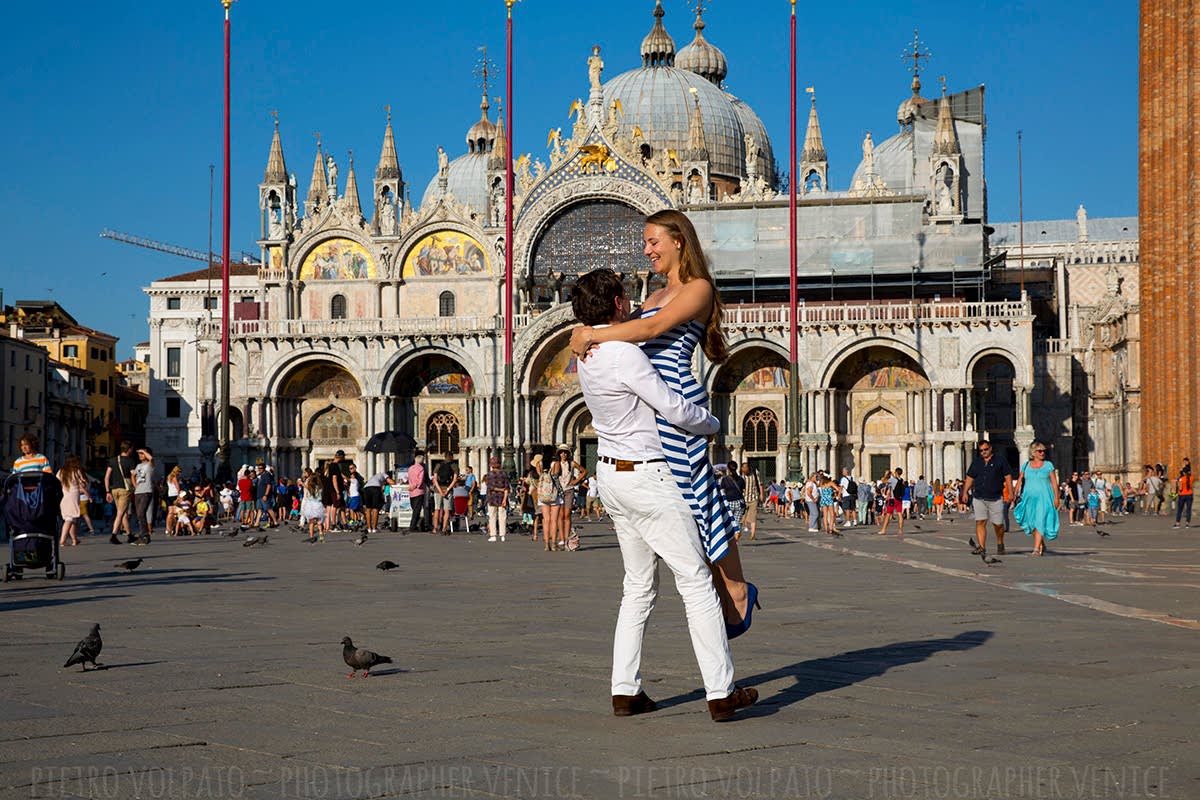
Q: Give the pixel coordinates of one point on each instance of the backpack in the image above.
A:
(852, 488)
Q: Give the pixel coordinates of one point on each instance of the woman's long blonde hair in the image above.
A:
(693, 265)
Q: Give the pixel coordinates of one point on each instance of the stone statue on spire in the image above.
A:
(332, 170)
(595, 67)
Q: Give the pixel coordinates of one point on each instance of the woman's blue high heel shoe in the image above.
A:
(734, 631)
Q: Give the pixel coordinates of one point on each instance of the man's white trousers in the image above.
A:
(653, 521)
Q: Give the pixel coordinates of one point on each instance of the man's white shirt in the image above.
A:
(623, 391)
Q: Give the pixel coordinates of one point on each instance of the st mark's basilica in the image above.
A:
(917, 338)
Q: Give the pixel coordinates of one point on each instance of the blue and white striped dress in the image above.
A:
(687, 454)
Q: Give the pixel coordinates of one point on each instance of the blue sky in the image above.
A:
(114, 111)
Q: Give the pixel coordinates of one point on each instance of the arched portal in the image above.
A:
(432, 402)
(552, 391)
(877, 413)
(316, 412)
(994, 403)
(753, 381)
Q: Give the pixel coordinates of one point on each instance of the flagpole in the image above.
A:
(224, 433)
(794, 466)
(509, 464)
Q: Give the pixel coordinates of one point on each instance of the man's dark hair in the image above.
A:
(592, 299)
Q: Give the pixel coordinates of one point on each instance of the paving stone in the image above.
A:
(885, 669)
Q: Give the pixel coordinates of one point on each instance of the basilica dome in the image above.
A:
(466, 180)
(702, 57)
(466, 177)
(658, 98)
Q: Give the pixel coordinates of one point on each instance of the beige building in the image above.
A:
(1084, 277)
(23, 367)
(68, 413)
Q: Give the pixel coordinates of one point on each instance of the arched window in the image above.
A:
(337, 307)
(583, 237)
(760, 431)
(446, 304)
(441, 433)
(333, 425)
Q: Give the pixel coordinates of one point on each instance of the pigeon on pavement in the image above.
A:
(129, 566)
(386, 565)
(255, 541)
(362, 537)
(1101, 533)
(357, 658)
(87, 650)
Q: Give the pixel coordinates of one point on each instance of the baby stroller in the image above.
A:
(30, 502)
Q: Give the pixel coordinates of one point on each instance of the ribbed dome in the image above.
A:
(483, 132)
(658, 101)
(702, 57)
(658, 48)
(753, 125)
(466, 180)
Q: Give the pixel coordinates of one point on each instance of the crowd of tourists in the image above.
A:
(134, 498)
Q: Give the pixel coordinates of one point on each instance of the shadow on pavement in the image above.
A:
(130, 664)
(47, 602)
(111, 580)
(148, 579)
(837, 672)
(846, 669)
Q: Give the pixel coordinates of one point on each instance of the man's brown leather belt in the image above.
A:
(625, 465)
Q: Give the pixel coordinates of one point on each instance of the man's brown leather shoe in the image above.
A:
(626, 705)
(726, 707)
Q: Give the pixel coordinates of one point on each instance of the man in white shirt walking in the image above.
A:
(653, 521)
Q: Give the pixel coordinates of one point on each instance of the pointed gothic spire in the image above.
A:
(318, 188)
(697, 150)
(351, 193)
(500, 148)
(389, 165)
(814, 146)
(276, 170)
(945, 140)
(658, 48)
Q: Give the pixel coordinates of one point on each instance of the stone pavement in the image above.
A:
(886, 669)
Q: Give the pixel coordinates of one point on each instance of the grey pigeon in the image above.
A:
(233, 532)
(130, 566)
(362, 537)
(87, 650)
(357, 658)
(255, 541)
(386, 565)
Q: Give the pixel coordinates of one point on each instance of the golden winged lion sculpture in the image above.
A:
(594, 155)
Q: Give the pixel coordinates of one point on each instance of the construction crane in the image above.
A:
(175, 250)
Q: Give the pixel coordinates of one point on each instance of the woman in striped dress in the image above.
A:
(672, 322)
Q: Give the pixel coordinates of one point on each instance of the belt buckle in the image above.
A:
(624, 466)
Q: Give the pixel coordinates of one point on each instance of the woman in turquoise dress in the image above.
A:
(1038, 501)
(673, 321)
